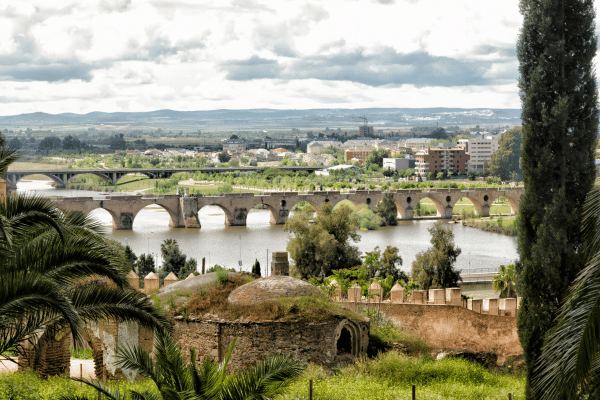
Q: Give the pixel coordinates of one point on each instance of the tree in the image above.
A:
(173, 258)
(434, 268)
(256, 268)
(49, 143)
(50, 263)
(556, 49)
(384, 265)
(504, 281)
(15, 143)
(438, 133)
(567, 367)
(224, 157)
(117, 142)
(145, 265)
(176, 378)
(387, 210)
(376, 158)
(505, 162)
(130, 256)
(190, 267)
(323, 246)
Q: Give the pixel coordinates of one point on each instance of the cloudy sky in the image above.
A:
(142, 55)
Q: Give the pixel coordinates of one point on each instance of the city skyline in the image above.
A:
(128, 55)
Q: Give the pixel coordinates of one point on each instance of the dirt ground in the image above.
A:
(84, 368)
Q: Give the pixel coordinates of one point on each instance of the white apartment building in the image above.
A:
(417, 144)
(480, 150)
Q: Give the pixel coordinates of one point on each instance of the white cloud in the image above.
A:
(119, 55)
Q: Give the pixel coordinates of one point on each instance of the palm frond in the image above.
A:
(7, 157)
(96, 301)
(268, 378)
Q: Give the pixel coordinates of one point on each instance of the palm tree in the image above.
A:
(177, 379)
(569, 365)
(504, 281)
(57, 271)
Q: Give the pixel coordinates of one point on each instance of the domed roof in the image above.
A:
(272, 288)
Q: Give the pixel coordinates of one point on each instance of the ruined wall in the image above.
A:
(312, 342)
(457, 327)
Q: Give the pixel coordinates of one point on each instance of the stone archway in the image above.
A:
(348, 341)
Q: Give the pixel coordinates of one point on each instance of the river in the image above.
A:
(225, 245)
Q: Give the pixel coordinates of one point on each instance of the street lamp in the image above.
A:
(240, 263)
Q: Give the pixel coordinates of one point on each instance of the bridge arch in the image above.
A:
(512, 200)
(316, 206)
(440, 209)
(102, 176)
(173, 215)
(229, 217)
(478, 207)
(54, 178)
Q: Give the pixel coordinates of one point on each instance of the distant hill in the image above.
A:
(269, 118)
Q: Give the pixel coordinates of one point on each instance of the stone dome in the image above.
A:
(272, 288)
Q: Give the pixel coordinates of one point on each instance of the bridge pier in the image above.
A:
(189, 212)
(409, 213)
(124, 221)
(485, 210)
(239, 217)
(447, 212)
(280, 217)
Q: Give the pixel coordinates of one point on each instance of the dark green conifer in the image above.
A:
(560, 122)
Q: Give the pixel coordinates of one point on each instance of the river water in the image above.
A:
(226, 245)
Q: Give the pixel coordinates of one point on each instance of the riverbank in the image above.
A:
(504, 225)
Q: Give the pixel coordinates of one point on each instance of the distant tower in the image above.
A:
(365, 130)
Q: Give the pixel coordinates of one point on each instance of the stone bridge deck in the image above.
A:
(183, 209)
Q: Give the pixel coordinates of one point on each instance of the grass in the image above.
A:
(391, 376)
(28, 386)
(81, 354)
(214, 300)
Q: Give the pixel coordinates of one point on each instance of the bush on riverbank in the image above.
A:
(500, 225)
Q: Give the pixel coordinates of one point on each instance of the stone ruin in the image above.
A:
(327, 342)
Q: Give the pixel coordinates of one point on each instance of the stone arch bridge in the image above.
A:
(183, 209)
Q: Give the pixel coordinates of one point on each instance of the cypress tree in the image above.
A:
(560, 121)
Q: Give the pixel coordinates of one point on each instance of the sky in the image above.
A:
(142, 55)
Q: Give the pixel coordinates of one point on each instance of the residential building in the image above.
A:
(317, 147)
(417, 144)
(234, 145)
(480, 151)
(438, 159)
(361, 144)
(359, 155)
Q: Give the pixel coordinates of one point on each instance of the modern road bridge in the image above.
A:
(62, 176)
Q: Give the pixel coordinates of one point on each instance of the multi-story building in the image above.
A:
(359, 155)
(480, 150)
(364, 130)
(417, 144)
(317, 147)
(234, 145)
(437, 159)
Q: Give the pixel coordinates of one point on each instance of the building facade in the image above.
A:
(359, 155)
(480, 150)
(434, 160)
